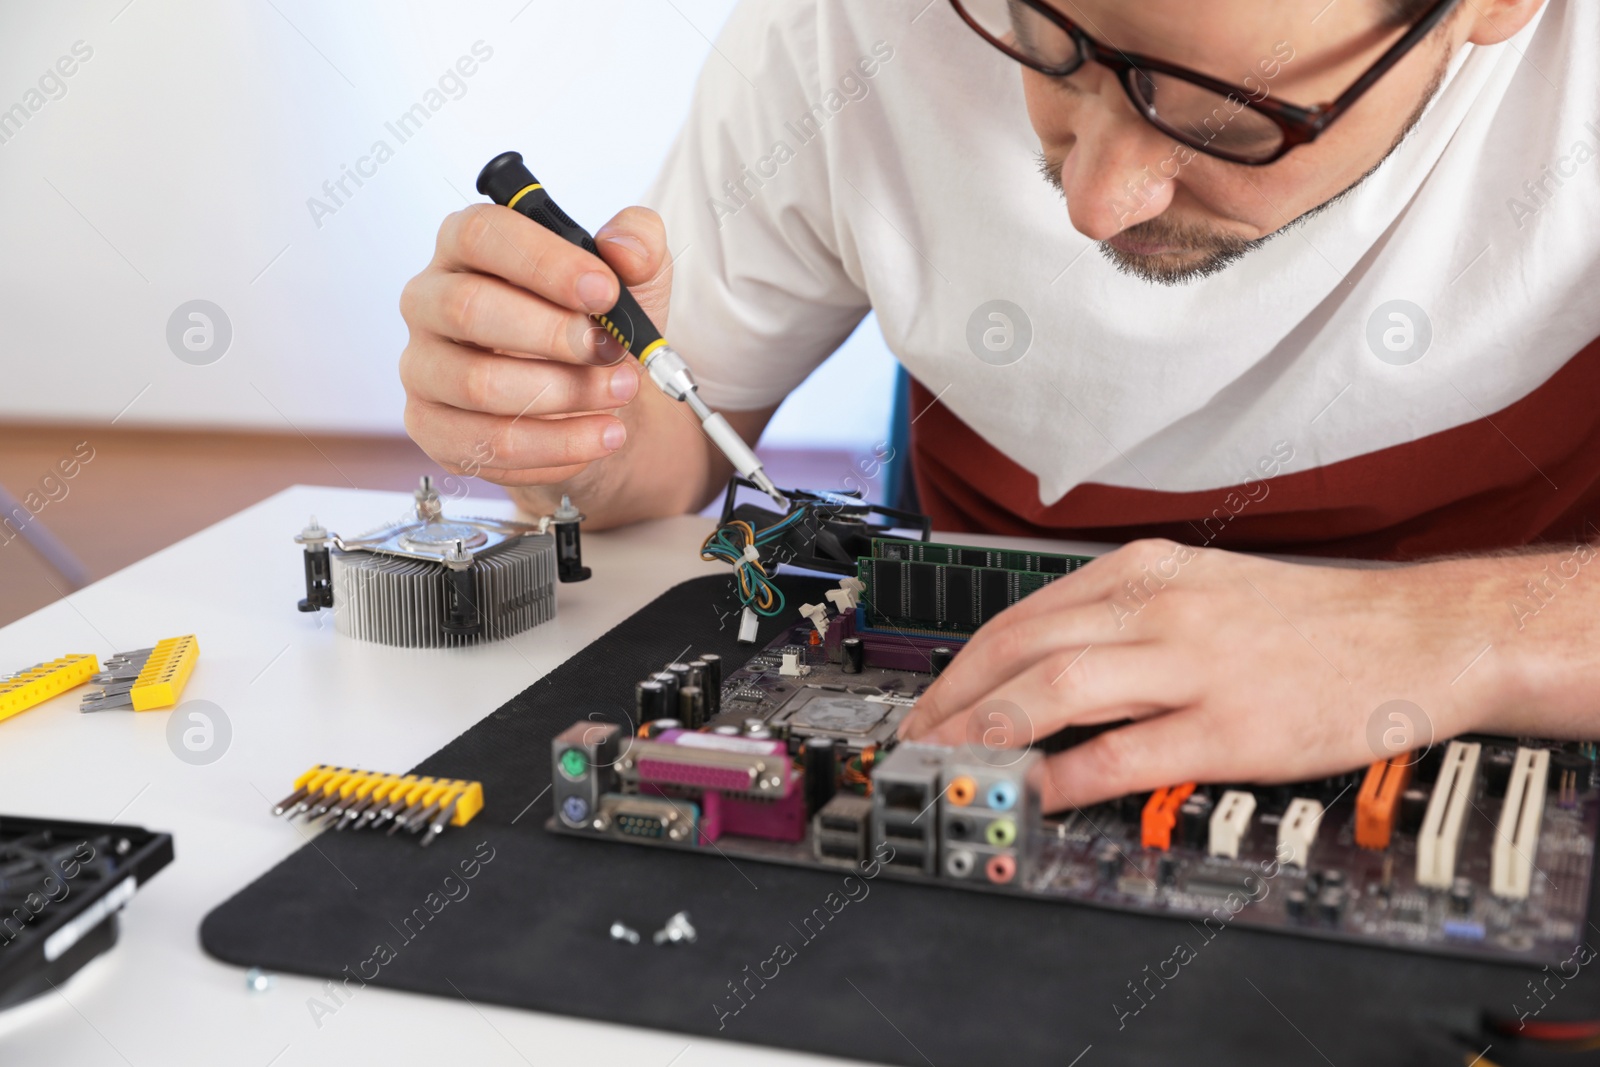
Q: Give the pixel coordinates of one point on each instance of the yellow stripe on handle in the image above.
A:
(654, 346)
(512, 203)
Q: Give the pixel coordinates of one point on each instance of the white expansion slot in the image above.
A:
(1516, 838)
(1230, 822)
(1440, 836)
(1298, 830)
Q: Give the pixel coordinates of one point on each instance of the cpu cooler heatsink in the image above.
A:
(432, 581)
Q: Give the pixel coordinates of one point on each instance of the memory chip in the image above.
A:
(972, 557)
(992, 593)
(1052, 565)
(922, 591)
(886, 587)
(958, 607)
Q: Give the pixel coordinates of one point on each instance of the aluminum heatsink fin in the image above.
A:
(399, 600)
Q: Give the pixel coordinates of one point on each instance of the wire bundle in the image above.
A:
(739, 544)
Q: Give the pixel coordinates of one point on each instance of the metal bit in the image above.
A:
(622, 932)
(289, 801)
(440, 821)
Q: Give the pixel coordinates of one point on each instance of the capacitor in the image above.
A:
(697, 674)
(1167, 869)
(753, 724)
(1413, 809)
(712, 664)
(760, 733)
(855, 654)
(1108, 859)
(1330, 904)
(569, 547)
(1461, 897)
(669, 682)
(692, 706)
(660, 726)
(726, 730)
(1497, 764)
(650, 701)
(1194, 821)
(1294, 902)
(679, 671)
(940, 658)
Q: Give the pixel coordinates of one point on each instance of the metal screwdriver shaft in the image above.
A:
(508, 182)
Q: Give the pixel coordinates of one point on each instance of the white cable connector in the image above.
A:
(818, 614)
(748, 622)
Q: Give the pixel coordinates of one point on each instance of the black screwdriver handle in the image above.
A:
(507, 181)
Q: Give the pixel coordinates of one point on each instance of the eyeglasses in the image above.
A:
(1240, 124)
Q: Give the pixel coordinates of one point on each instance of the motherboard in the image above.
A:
(1482, 847)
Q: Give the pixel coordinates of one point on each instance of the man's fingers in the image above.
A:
(1131, 576)
(1003, 650)
(491, 313)
(469, 441)
(1076, 687)
(489, 239)
(473, 380)
(1168, 749)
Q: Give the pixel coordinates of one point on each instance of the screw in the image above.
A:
(677, 929)
(622, 932)
(258, 981)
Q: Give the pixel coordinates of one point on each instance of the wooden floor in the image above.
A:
(131, 492)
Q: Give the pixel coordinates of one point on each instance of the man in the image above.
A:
(1365, 330)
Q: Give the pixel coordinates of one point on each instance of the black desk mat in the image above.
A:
(904, 974)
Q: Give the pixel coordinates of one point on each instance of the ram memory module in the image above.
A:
(948, 590)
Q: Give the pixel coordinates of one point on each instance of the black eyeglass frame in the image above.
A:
(1300, 125)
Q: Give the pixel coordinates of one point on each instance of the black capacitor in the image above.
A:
(679, 671)
(1497, 764)
(670, 682)
(1294, 902)
(1460, 897)
(1425, 771)
(650, 701)
(712, 664)
(1108, 858)
(855, 654)
(940, 658)
(1332, 878)
(661, 726)
(697, 673)
(692, 706)
(822, 771)
(1413, 809)
(1167, 869)
(1330, 904)
(1194, 821)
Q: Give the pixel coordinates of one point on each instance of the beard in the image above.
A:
(1202, 251)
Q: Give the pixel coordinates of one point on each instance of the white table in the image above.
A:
(293, 693)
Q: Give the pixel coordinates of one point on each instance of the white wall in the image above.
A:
(176, 163)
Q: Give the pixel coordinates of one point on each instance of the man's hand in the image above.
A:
(1240, 669)
(506, 375)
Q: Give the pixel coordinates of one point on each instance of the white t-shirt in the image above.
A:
(844, 156)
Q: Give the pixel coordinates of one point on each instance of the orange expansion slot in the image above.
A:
(1161, 815)
(1378, 803)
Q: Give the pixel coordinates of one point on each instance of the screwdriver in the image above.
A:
(507, 181)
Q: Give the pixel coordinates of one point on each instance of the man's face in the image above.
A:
(1169, 214)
